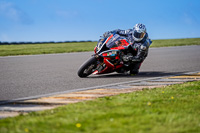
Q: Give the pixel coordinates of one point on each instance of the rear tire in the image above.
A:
(87, 67)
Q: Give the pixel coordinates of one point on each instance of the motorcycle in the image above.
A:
(112, 54)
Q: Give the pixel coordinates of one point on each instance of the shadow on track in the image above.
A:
(140, 75)
(2, 102)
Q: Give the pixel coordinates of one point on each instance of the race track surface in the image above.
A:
(25, 76)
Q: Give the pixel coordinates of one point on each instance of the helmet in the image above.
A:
(139, 31)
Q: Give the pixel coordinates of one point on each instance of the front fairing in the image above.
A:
(108, 52)
(116, 41)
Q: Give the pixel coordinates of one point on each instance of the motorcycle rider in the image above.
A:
(139, 40)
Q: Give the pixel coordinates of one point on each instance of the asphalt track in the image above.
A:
(26, 76)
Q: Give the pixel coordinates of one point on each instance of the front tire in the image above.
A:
(87, 67)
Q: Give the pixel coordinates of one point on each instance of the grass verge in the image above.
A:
(176, 42)
(171, 109)
(32, 49)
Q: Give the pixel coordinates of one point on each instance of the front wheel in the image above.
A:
(88, 67)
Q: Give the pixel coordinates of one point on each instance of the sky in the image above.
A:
(81, 20)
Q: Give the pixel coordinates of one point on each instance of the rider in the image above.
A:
(139, 40)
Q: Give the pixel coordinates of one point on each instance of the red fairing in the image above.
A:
(104, 54)
(124, 43)
(95, 50)
(117, 57)
(109, 67)
(118, 48)
(108, 63)
(121, 45)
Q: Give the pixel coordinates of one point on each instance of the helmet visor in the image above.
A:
(138, 35)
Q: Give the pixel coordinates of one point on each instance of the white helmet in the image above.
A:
(139, 31)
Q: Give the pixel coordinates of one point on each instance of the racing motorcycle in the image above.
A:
(112, 54)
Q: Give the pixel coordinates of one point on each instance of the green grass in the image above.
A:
(32, 49)
(175, 42)
(172, 109)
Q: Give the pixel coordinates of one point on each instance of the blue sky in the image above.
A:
(68, 20)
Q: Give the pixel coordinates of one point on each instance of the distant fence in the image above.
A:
(18, 43)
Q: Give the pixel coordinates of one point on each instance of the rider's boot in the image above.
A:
(135, 69)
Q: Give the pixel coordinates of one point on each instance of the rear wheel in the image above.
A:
(88, 67)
